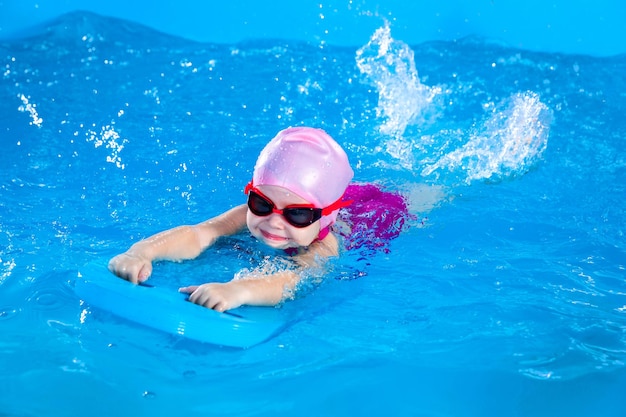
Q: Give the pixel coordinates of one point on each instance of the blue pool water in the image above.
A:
(506, 296)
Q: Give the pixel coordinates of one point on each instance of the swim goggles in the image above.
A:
(297, 215)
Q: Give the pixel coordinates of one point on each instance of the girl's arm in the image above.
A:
(183, 242)
(262, 289)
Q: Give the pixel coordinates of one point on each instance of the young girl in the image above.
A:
(295, 194)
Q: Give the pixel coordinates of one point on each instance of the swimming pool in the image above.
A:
(506, 296)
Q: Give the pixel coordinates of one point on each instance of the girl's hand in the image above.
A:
(131, 267)
(216, 296)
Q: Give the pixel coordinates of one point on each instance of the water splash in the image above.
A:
(507, 144)
(110, 139)
(389, 65)
(31, 109)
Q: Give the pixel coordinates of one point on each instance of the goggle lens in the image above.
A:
(296, 216)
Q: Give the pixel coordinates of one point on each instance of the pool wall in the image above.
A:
(583, 26)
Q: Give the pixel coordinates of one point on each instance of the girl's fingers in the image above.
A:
(188, 290)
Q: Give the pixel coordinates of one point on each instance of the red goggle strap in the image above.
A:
(248, 187)
(336, 206)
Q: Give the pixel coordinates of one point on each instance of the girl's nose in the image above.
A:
(276, 220)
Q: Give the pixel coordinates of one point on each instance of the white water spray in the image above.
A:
(508, 143)
(389, 65)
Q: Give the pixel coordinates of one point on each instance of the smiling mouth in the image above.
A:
(271, 236)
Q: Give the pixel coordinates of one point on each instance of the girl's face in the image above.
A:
(273, 229)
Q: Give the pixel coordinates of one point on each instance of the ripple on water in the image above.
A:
(8, 312)
(50, 292)
(48, 299)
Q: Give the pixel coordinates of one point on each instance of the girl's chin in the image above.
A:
(276, 245)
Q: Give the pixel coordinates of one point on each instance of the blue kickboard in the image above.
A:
(169, 311)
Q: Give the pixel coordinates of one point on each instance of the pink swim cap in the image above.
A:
(307, 162)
